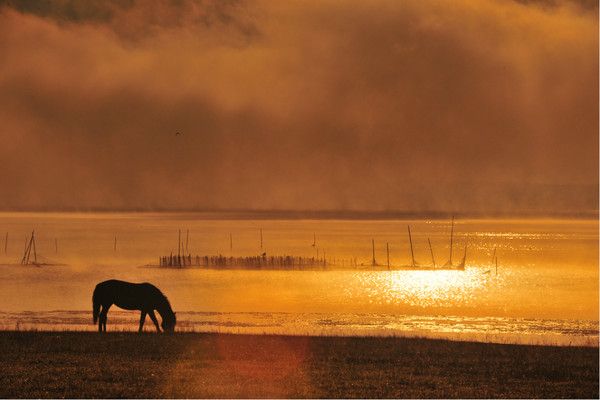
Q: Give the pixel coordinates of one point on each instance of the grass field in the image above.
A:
(73, 364)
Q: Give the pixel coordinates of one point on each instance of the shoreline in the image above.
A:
(465, 328)
(478, 338)
(209, 365)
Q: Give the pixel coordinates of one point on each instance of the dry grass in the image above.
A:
(76, 364)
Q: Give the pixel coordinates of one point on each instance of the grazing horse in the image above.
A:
(132, 296)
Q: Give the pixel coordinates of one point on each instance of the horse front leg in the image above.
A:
(142, 320)
(153, 317)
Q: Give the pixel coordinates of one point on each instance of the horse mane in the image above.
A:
(166, 300)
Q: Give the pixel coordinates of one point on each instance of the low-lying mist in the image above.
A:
(481, 107)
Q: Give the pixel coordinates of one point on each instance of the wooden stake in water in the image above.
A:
(6, 243)
(179, 246)
(55, 245)
(374, 262)
(187, 237)
(261, 239)
(28, 246)
(26, 251)
(412, 253)
(230, 242)
(314, 240)
(451, 238)
(115, 244)
(431, 250)
(387, 248)
(34, 251)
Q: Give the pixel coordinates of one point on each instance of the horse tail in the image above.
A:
(96, 307)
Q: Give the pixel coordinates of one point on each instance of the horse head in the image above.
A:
(168, 322)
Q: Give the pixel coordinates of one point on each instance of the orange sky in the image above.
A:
(482, 106)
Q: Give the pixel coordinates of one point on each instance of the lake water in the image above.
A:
(545, 289)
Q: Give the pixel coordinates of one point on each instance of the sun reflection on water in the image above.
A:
(425, 288)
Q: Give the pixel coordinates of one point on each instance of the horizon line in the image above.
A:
(320, 214)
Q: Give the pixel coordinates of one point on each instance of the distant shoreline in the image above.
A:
(198, 365)
(319, 215)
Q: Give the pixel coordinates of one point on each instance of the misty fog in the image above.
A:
(468, 106)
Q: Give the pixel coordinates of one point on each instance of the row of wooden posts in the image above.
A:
(183, 249)
(249, 261)
(184, 258)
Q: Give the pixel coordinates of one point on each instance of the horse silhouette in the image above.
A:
(132, 296)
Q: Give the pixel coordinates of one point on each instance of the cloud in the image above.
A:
(471, 106)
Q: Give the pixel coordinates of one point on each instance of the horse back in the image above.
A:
(127, 295)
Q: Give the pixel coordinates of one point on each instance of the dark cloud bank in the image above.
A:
(464, 106)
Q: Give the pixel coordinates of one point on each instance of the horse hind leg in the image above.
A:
(103, 317)
(102, 322)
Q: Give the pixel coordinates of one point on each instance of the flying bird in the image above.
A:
(177, 133)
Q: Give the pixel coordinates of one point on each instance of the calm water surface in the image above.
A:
(545, 289)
